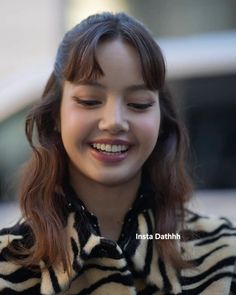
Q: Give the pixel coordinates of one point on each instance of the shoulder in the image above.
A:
(20, 232)
(202, 230)
(16, 228)
(15, 279)
(206, 225)
(210, 246)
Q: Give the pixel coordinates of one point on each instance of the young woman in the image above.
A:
(103, 195)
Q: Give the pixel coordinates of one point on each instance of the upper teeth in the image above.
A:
(110, 147)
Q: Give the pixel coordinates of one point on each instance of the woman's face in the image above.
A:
(110, 126)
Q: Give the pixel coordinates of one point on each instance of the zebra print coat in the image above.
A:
(130, 266)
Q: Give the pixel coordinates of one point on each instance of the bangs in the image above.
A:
(80, 62)
(152, 62)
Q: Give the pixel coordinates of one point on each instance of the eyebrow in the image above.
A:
(99, 85)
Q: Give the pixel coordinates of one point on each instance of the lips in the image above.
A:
(110, 148)
(111, 141)
(110, 151)
(111, 145)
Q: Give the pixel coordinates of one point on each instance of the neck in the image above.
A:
(106, 201)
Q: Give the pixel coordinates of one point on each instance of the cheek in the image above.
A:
(148, 130)
(73, 127)
(73, 121)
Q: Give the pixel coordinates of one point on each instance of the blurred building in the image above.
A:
(198, 39)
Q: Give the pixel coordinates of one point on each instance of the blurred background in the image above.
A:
(198, 39)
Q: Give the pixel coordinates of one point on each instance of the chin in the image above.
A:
(113, 180)
(110, 182)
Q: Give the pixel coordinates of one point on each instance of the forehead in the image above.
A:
(119, 61)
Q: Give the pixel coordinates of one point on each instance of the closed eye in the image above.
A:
(140, 106)
(87, 102)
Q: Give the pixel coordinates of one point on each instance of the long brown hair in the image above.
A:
(41, 192)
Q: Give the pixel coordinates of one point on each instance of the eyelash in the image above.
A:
(140, 106)
(94, 103)
(88, 103)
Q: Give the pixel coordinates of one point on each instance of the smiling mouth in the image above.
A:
(110, 149)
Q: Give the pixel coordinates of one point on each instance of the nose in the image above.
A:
(113, 118)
